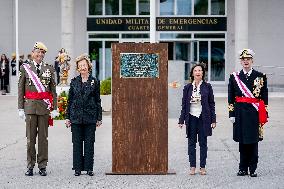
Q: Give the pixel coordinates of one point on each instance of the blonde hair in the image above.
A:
(81, 57)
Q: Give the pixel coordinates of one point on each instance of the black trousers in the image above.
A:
(195, 128)
(248, 157)
(83, 138)
(3, 85)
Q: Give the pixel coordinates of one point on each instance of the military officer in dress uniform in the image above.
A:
(37, 104)
(248, 100)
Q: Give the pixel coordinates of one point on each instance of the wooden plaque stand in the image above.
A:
(140, 114)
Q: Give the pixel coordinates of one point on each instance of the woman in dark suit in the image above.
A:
(4, 73)
(84, 114)
(198, 114)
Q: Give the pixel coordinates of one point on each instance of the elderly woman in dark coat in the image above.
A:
(84, 114)
(198, 114)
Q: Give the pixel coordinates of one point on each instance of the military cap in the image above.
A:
(246, 53)
(41, 46)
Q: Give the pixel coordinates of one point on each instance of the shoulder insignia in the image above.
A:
(231, 107)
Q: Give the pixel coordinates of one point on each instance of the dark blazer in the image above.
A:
(84, 108)
(208, 107)
(246, 126)
(6, 75)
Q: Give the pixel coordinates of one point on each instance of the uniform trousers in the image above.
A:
(83, 138)
(37, 125)
(248, 157)
(194, 130)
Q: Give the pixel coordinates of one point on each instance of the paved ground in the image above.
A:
(222, 162)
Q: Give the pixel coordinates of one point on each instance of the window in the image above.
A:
(184, 7)
(175, 36)
(182, 50)
(103, 36)
(217, 7)
(203, 55)
(112, 7)
(166, 7)
(201, 7)
(217, 60)
(108, 58)
(142, 35)
(128, 7)
(209, 35)
(95, 51)
(95, 7)
(144, 7)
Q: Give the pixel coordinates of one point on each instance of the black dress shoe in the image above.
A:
(242, 173)
(90, 173)
(77, 173)
(253, 174)
(42, 172)
(29, 172)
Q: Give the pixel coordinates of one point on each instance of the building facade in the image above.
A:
(208, 31)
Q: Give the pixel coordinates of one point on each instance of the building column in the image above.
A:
(67, 32)
(13, 80)
(241, 29)
(153, 12)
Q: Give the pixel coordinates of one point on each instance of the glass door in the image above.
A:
(189, 53)
(101, 57)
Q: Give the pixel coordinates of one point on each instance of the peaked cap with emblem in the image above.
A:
(41, 46)
(246, 53)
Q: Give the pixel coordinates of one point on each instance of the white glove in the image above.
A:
(54, 113)
(232, 119)
(22, 113)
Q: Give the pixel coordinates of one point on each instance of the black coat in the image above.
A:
(208, 107)
(246, 126)
(84, 104)
(5, 77)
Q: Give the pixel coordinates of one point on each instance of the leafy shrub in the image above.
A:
(105, 87)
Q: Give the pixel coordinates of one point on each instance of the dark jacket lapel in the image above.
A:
(33, 68)
(202, 89)
(190, 87)
(77, 85)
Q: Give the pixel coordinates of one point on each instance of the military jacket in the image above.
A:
(46, 76)
(246, 128)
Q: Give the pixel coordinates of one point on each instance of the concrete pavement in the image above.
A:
(222, 161)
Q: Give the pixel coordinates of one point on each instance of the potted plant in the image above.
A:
(105, 91)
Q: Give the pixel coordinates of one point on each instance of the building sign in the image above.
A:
(118, 24)
(191, 24)
(139, 65)
(162, 24)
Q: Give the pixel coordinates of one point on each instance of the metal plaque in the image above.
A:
(139, 65)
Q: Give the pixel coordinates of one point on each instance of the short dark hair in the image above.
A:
(191, 71)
